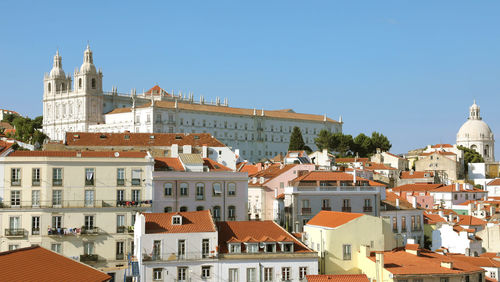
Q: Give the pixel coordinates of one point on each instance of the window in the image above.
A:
(167, 209)
(394, 224)
(205, 271)
(57, 177)
(181, 274)
(49, 88)
(216, 213)
(168, 189)
(183, 209)
(200, 191)
(455, 196)
(251, 275)
(286, 274)
(231, 211)
(56, 221)
(56, 247)
(93, 83)
(302, 272)
(231, 189)
(270, 247)
(287, 247)
(181, 249)
(200, 208)
(89, 198)
(252, 248)
(15, 198)
(467, 278)
(346, 203)
(444, 279)
(413, 223)
(368, 203)
(403, 223)
(235, 248)
(120, 197)
(422, 280)
(136, 177)
(89, 176)
(268, 274)
(35, 177)
(136, 196)
(120, 176)
(325, 204)
(89, 222)
(346, 249)
(57, 197)
(156, 249)
(419, 227)
(184, 189)
(157, 273)
(13, 247)
(15, 177)
(120, 246)
(233, 275)
(88, 248)
(176, 220)
(35, 225)
(120, 223)
(217, 191)
(205, 248)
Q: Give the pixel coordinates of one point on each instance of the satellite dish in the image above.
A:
(117, 154)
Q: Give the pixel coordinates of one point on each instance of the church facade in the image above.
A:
(477, 135)
(79, 104)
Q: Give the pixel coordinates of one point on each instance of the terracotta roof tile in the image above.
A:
(477, 261)
(442, 146)
(215, 166)
(39, 264)
(377, 166)
(416, 174)
(423, 187)
(266, 230)
(390, 202)
(249, 168)
(333, 219)
(168, 164)
(494, 182)
(196, 221)
(470, 220)
(157, 90)
(430, 218)
(89, 139)
(338, 278)
(333, 176)
(75, 154)
(351, 160)
(439, 153)
(452, 188)
(396, 156)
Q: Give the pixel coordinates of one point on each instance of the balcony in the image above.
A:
(75, 204)
(90, 230)
(35, 231)
(14, 232)
(136, 182)
(57, 232)
(367, 209)
(89, 258)
(171, 257)
(35, 182)
(311, 188)
(120, 182)
(57, 182)
(326, 208)
(120, 256)
(346, 209)
(200, 197)
(306, 210)
(15, 182)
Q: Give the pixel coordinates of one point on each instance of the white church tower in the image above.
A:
(65, 109)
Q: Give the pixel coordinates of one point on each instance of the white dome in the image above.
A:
(474, 130)
(57, 72)
(87, 68)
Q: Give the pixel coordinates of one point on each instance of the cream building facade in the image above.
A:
(82, 106)
(79, 204)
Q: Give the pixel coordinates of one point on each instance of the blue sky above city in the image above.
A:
(408, 69)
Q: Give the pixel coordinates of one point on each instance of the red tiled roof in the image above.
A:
(338, 278)
(430, 218)
(416, 187)
(396, 156)
(451, 188)
(494, 182)
(157, 90)
(281, 196)
(75, 154)
(4, 146)
(195, 221)
(477, 261)
(249, 168)
(442, 146)
(438, 152)
(89, 139)
(39, 264)
(351, 160)
(332, 219)
(333, 176)
(470, 220)
(169, 164)
(377, 166)
(390, 202)
(215, 166)
(273, 170)
(400, 262)
(489, 255)
(263, 231)
(416, 174)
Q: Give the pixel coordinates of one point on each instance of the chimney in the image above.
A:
(414, 202)
(457, 186)
(175, 151)
(397, 203)
(204, 151)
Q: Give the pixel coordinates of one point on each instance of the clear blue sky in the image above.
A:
(408, 69)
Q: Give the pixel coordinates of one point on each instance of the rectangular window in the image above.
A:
(346, 252)
(446, 279)
(181, 274)
(89, 198)
(57, 177)
(35, 177)
(15, 177)
(156, 249)
(403, 223)
(205, 248)
(120, 197)
(168, 189)
(184, 189)
(120, 176)
(302, 272)
(181, 249)
(233, 275)
(418, 225)
(252, 248)
(15, 198)
(200, 191)
(13, 247)
(325, 204)
(394, 224)
(120, 250)
(88, 248)
(217, 191)
(120, 223)
(286, 274)
(57, 221)
(205, 272)
(57, 198)
(89, 222)
(56, 247)
(136, 177)
(231, 189)
(268, 274)
(35, 225)
(136, 196)
(157, 273)
(35, 198)
(413, 223)
(251, 275)
(89, 176)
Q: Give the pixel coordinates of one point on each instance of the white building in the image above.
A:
(456, 239)
(455, 194)
(85, 107)
(477, 135)
(493, 188)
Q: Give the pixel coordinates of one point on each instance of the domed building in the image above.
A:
(476, 134)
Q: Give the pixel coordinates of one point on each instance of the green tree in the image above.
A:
(342, 144)
(324, 140)
(27, 130)
(379, 140)
(470, 156)
(296, 140)
(362, 145)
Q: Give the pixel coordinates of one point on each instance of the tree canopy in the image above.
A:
(346, 145)
(27, 130)
(470, 156)
(297, 142)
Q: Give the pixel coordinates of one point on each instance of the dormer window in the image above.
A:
(287, 247)
(270, 247)
(176, 220)
(235, 248)
(252, 247)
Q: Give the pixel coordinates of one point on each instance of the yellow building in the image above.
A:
(337, 237)
(79, 204)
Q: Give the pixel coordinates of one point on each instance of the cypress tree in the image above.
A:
(296, 140)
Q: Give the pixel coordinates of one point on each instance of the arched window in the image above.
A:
(93, 83)
(200, 208)
(167, 189)
(200, 191)
(231, 189)
(49, 87)
(79, 83)
(216, 213)
(231, 212)
(486, 150)
(217, 191)
(167, 209)
(183, 209)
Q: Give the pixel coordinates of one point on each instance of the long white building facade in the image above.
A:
(79, 104)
